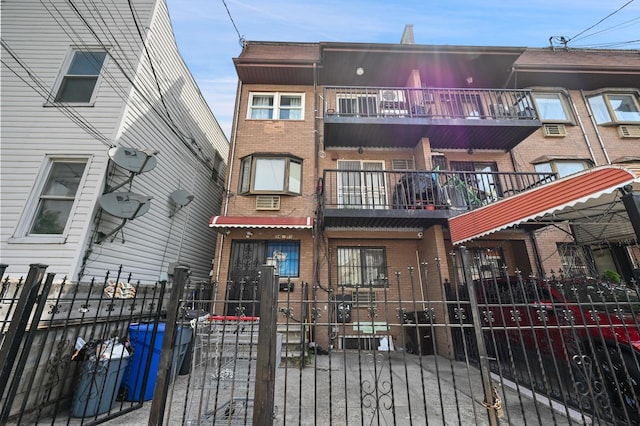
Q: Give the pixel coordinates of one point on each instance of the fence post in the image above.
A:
(266, 362)
(491, 402)
(17, 328)
(168, 346)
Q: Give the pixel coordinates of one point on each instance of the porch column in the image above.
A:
(631, 202)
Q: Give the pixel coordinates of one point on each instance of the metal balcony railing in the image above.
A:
(479, 104)
(425, 190)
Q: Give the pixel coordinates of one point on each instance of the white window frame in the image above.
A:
(64, 69)
(247, 178)
(550, 94)
(610, 112)
(22, 232)
(277, 105)
(552, 166)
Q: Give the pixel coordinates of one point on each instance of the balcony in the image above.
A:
(450, 118)
(414, 199)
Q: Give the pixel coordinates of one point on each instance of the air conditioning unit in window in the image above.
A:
(392, 102)
(554, 130)
(628, 131)
(268, 202)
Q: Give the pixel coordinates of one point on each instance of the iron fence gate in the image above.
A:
(490, 349)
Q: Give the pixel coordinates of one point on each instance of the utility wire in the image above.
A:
(241, 38)
(35, 83)
(169, 124)
(600, 21)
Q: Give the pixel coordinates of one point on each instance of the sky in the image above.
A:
(208, 31)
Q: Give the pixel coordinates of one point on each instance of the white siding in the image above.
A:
(124, 116)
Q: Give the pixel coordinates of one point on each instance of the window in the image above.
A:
(562, 168)
(287, 257)
(81, 77)
(552, 107)
(576, 261)
(276, 106)
(267, 174)
(615, 108)
(358, 266)
(57, 197)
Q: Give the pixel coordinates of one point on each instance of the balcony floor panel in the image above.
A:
(398, 132)
(392, 218)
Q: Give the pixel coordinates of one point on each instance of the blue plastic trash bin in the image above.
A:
(140, 340)
(98, 386)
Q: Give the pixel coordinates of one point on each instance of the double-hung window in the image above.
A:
(552, 107)
(615, 108)
(271, 174)
(362, 266)
(276, 106)
(56, 197)
(80, 79)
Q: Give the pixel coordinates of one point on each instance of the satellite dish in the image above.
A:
(125, 205)
(181, 197)
(134, 160)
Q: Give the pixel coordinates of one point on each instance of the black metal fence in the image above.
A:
(417, 350)
(77, 352)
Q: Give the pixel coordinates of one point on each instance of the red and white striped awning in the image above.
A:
(560, 200)
(285, 222)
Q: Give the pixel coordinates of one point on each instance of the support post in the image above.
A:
(266, 361)
(631, 202)
(491, 402)
(17, 329)
(168, 346)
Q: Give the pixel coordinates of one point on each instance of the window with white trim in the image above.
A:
(57, 197)
(271, 174)
(80, 78)
(615, 108)
(276, 106)
(362, 266)
(552, 107)
(562, 167)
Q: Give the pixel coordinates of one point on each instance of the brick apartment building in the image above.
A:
(349, 162)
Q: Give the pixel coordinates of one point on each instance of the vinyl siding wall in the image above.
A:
(124, 115)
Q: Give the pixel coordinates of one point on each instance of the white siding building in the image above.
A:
(77, 80)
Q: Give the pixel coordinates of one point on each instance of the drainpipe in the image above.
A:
(584, 133)
(227, 193)
(595, 126)
(536, 253)
(316, 174)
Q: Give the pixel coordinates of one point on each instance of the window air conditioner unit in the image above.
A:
(627, 131)
(554, 130)
(268, 202)
(392, 102)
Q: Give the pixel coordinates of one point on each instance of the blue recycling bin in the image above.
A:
(98, 386)
(140, 340)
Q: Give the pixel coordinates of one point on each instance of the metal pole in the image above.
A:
(17, 328)
(490, 398)
(168, 346)
(266, 360)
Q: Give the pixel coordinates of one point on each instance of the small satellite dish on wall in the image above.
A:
(181, 197)
(134, 160)
(125, 205)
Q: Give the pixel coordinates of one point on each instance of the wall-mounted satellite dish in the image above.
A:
(134, 160)
(125, 205)
(179, 198)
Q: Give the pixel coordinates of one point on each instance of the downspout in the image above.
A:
(227, 192)
(584, 133)
(316, 173)
(595, 126)
(536, 253)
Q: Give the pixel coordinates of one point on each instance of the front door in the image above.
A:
(243, 293)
